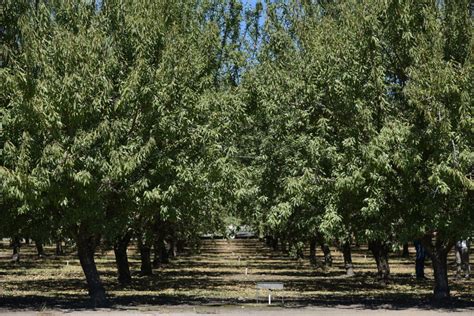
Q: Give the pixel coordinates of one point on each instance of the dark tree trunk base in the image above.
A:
(172, 252)
(121, 259)
(16, 244)
(380, 250)
(161, 254)
(274, 244)
(312, 251)
(462, 249)
(145, 256)
(325, 249)
(180, 246)
(39, 249)
(346, 252)
(405, 251)
(86, 246)
(59, 248)
(327, 255)
(438, 252)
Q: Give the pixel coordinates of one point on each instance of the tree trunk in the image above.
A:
(405, 251)
(180, 246)
(160, 251)
(161, 254)
(145, 256)
(172, 250)
(164, 254)
(346, 252)
(438, 252)
(380, 252)
(312, 251)
(327, 255)
(274, 244)
(268, 240)
(326, 251)
(156, 252)
(86, 246)
(462, 259)
(39, 248)
(458, 254)
(121, 259)
(16, 244)
(439, 261)
(420, 260)
(59, 248)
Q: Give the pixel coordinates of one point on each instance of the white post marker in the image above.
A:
(269, 286)
(246, 271)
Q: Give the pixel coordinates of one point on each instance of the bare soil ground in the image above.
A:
(213, 280)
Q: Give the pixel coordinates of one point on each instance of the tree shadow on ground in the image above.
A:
(387, 302)
(214, 273)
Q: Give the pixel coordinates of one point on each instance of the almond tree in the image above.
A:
(116, 115)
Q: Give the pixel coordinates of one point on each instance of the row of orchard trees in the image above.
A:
(117, 122)
(362, 116)
(310, 119)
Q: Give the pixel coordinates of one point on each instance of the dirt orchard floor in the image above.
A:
(214, 277)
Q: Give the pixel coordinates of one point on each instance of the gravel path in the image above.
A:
(263, 311)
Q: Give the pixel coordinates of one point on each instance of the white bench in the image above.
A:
(269, 286)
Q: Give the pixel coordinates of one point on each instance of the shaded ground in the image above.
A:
(216, 277)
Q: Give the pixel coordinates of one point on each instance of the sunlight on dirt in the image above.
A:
(217, 274)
